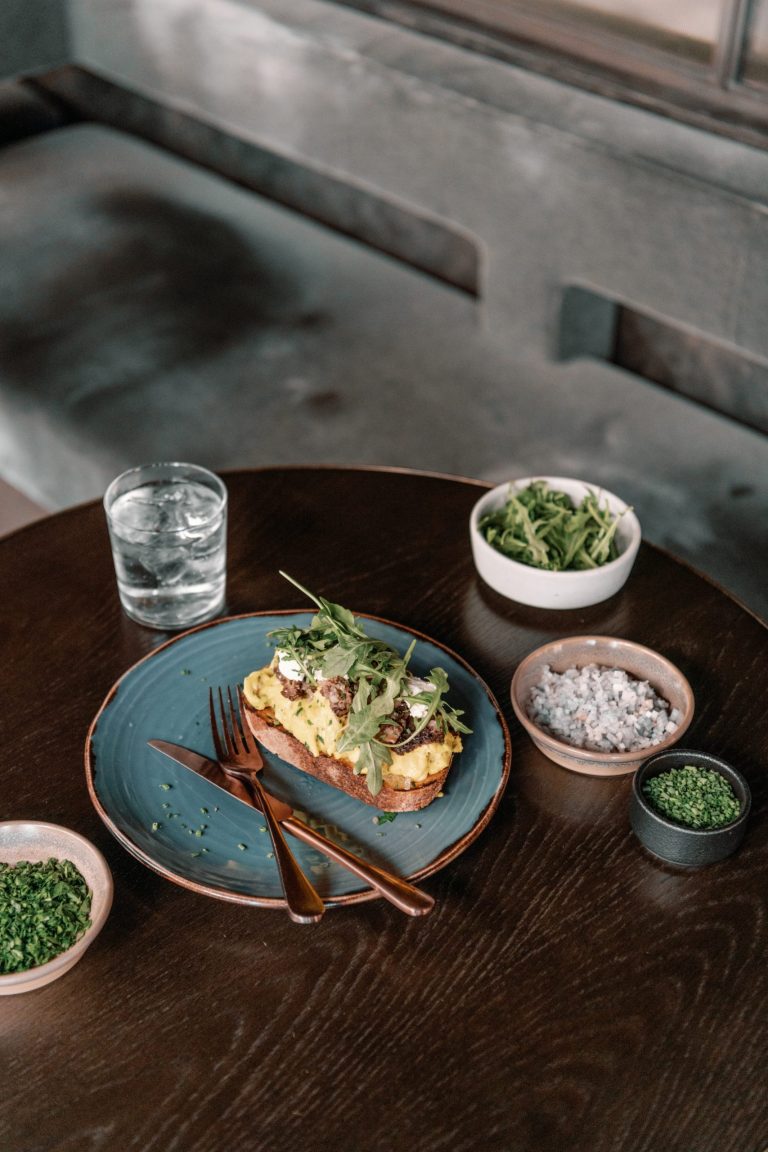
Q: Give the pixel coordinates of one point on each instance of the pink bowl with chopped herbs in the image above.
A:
(54, 864)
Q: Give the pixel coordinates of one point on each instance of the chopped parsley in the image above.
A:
(44, 908)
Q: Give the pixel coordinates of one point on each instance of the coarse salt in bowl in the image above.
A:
(538, 587)
(606, 652)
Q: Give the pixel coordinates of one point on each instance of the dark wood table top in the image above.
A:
(567, 992)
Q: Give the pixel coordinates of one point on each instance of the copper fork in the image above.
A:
(236, 748)
(404, 895)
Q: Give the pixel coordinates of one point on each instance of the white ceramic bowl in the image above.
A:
(541, 589)
(34, 840)
(610, 652)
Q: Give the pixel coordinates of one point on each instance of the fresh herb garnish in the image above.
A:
(543, 528)
(335, 644)
(44, 908)
(694, 796)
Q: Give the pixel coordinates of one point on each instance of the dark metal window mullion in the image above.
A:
(731, 42)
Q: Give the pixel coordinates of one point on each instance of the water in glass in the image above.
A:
(169, 547)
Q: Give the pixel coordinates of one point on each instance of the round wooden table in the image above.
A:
(568, 991)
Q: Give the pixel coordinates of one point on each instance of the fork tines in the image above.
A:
(232, 738)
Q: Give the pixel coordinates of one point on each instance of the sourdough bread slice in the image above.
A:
(398, 793)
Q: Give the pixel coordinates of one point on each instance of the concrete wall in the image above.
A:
(555, 186)
(34, 36)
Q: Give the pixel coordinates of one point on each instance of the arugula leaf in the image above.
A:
(439, 678)
(335, 644)
(362, 728)
(339, 661)
(543, 528)
(389, 691)
(372, 760)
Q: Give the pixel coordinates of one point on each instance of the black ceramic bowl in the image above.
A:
(674, 842)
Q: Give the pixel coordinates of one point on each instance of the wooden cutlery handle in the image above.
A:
(399, 892)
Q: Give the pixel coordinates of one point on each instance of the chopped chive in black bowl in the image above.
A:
(694, 796)
(689, 807)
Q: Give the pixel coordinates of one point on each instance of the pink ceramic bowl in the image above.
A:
(576, 651)
(36, 840)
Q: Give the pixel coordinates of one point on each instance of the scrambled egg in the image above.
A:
(311, 720)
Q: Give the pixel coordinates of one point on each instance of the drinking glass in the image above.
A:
(168, 528)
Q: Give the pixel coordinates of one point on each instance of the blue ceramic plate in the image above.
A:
(200, 837)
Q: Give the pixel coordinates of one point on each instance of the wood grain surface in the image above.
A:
(568, 992)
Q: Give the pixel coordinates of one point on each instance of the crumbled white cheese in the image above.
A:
(290, 669)
(414, 686)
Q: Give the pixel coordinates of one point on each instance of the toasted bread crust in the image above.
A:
(340, 773)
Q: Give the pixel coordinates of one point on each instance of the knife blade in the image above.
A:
(212, 771)
(303, 903)
(401, 893)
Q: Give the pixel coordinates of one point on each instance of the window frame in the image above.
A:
(710, 96)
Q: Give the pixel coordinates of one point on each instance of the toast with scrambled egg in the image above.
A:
(342, 706)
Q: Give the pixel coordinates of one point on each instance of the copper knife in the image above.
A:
(401, 893)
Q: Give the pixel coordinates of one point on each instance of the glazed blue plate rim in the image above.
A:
(123, 774)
